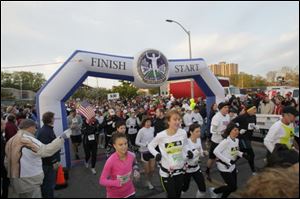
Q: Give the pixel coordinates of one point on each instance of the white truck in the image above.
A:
(265, 121)
(232, 90)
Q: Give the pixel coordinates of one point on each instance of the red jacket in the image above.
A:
(10, 130)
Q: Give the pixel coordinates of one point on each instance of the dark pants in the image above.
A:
(246, 147)
(4, 183)
(231, 183)
(48, 185)
(173, 185)
(107, 140)
(199, 179)
(132, 138)
(90, 149)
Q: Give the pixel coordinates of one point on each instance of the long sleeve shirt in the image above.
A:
(218, 125)
(116, 176)
(144, 137)
(226, 151)
(196, 149)
(172, 148)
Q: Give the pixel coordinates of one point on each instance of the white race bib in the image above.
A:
(91, 137)
(74, 120)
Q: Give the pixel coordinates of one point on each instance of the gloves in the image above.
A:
(205, 153)
(246, 156)
(158, 157)
(190, 155)
(136, 174)
(242, 131)
(66, 134)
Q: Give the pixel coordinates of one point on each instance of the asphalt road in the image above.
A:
(83, 184)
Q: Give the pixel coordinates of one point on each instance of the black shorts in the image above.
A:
(146, 156)
(211, 150)
(76, 139)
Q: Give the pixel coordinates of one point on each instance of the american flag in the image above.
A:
(86, 110)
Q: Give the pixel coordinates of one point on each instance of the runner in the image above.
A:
(118, 169)
(132, 126)
(281, 132)
(171, 143)
(227, 153)
(218, 125)
(195, 151)
(121, 128)
(144, 137)
(89, 131)
(247, 125)
(75, 124)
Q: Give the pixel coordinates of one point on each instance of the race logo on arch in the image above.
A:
(152, 67)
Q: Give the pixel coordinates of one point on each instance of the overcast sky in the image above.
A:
(259, 36)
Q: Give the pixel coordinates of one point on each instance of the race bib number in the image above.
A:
(174, 149)
(74, 120)
(91, 137)
(124, 178)
(234, 151)
(251, 126)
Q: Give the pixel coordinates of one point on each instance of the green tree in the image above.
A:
(125, 90)
(29, 80)
(154, 91)
(6, 95)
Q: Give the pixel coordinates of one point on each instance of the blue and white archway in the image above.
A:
(81, 64)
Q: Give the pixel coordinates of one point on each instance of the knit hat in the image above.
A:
(290, 109)
(250, 107)
(222, 104)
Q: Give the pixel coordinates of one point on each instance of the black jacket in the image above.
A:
(46, 135)
(159, 125)
(244, 121)
(90, 129)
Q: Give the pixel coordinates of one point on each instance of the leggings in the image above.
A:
(199, 179)
(231, 183)
(246, 147)
(90, 149)
(173, 185)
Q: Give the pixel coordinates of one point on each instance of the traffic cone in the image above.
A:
(60, 179)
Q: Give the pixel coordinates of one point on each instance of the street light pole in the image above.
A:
(190, 49)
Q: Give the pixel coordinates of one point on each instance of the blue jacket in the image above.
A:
(46, 135)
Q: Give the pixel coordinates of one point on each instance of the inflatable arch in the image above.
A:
(149, 68)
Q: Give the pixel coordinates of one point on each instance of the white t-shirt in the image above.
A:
(227, 150)
(144, 137)
(197, 151)
(131, 124)
(276, 134)
(187, 119)
(172, 148)
(197, 117)
(218, 125)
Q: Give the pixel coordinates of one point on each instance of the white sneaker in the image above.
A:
(254, 173)
(150, 186)
(200, 194)
(93, 171)
(212, 193)
(86, 164)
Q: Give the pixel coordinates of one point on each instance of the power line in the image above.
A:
(33, 65)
